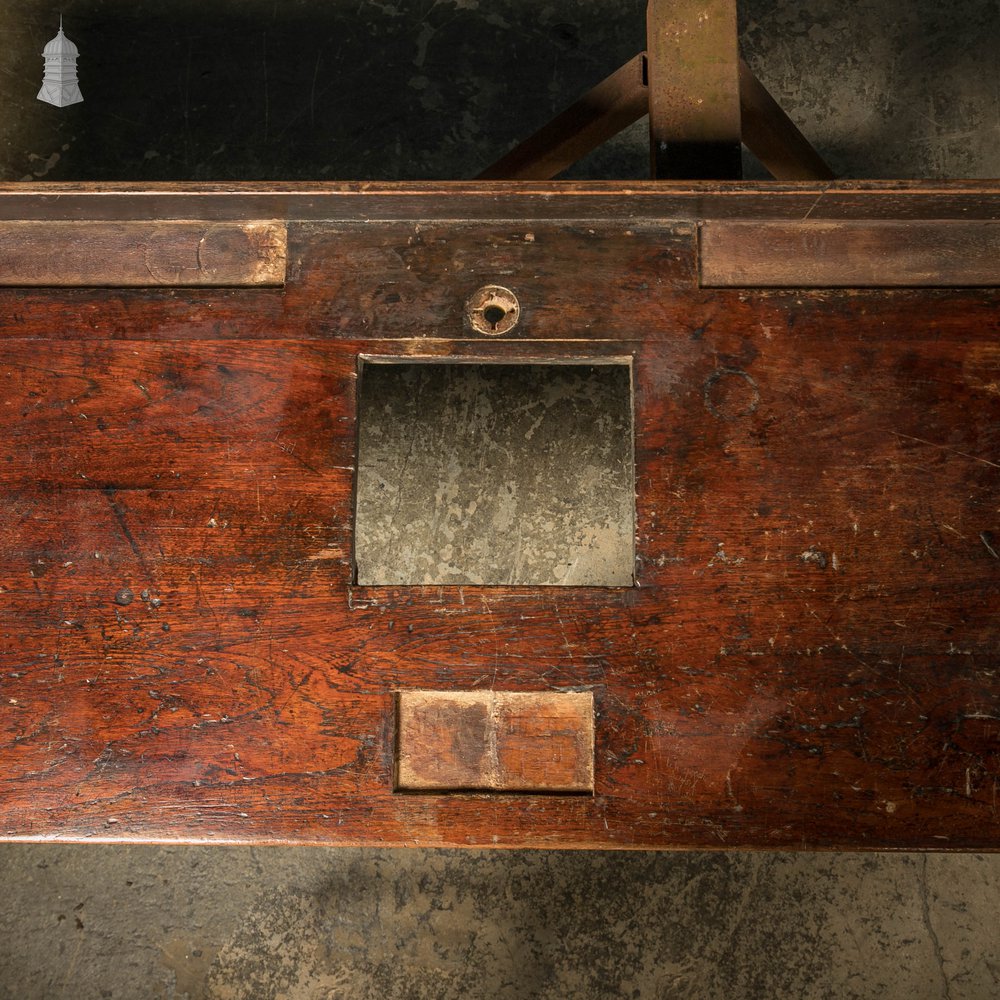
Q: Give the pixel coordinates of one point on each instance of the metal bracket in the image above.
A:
(703, 101)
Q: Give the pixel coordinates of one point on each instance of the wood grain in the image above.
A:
(808, 659)
(496, 741)
(140, 254)
(850, 254)
(527, 201)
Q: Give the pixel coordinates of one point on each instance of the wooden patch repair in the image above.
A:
(142, 254)
(498, 741)
(898, 254)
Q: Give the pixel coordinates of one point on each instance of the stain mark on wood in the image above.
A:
(498, 741)
(142, 254)
(731, 393)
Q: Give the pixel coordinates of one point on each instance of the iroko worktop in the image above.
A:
(808, 655)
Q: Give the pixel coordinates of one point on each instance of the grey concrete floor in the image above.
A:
(362, 89)
(309, 924)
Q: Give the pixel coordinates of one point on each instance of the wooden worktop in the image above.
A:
(808, 656)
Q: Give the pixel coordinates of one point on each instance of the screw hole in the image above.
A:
(493, 314)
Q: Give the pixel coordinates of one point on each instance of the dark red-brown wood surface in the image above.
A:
(810, 657)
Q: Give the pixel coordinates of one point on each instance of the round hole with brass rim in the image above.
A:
(493, 310)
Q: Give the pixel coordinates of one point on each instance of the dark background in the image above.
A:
(310, 90)
(437, 89)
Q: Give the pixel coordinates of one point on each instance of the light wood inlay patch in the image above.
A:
(918, 254)
(142, 254)
(496, 741)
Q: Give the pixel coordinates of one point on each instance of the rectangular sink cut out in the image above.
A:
(495, 473)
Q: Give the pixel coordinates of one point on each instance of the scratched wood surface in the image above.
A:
(368, 201)
(809, 658)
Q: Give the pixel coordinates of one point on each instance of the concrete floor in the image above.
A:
(304, 89)
(280, 924)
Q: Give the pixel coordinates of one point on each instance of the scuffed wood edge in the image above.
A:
(270, 240)
(365, 201)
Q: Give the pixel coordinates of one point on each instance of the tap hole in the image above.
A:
(494, 314)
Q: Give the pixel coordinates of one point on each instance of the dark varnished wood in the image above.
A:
(527, 201)
(809, 658)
